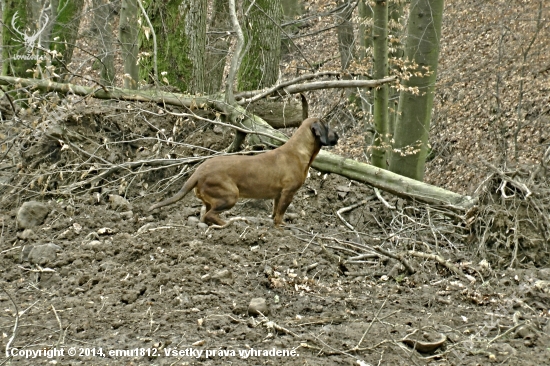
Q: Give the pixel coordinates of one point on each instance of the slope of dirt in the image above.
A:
(162, 288)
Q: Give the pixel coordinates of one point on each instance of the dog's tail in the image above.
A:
(187, 187)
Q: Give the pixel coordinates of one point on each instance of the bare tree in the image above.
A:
(261, 28)
(410, 146)
(128, 33)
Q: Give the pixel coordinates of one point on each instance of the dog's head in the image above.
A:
(326, 135)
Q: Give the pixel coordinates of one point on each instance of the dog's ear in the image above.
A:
(320, 132)
(317, 129)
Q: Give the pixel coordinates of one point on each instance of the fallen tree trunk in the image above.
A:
(391, 182)
(325, 161)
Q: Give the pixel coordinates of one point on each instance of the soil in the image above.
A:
(161, 287)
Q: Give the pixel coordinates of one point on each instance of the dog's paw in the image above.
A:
(229, 222)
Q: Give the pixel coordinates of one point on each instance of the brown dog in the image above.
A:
(276, 174)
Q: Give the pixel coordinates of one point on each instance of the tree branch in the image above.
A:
(316, 85)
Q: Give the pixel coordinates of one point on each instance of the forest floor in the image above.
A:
(120, 278)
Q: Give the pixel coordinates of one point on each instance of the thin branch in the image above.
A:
(328, 84)
(237, 54)
(259, 94)
(15, 326)
(405, 263)
(155, 67)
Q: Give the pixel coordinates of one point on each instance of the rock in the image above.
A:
(193, 220)
(94, 244)
(257, 305)
(126, 215)
(202, 225)
(43, 254)
(119, 203)
(32, 214)
(68, 234)
(224, 276)
(78, 263)
(48, 280)
(25, 252)
(129, 297)
(27, 234)
(291, 216)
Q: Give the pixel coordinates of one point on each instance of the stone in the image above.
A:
(193, 220)
(25, 252)
(32, 214)
(126, 215)
(43, 254)
(224, 276)
(256, 306)
(119, 203)
(27, 234)
(129, 297)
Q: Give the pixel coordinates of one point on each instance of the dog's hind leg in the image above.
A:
(218, 205)
(204, 209)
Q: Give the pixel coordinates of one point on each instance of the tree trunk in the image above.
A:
(292, 9)
(51, 11)
(395, 29)
(380, 52)
(17, 57)
(410, 148)
(65, 32)
(365, 29)
(217, 46)
(128, 33)
(180, 28)
(345, 35)
(260, 64)
(103, 24)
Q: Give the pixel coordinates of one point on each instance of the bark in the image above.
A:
(365, 29)
(128, 33)
(395, 30)
(180, 28)
(217, 46)
(410, 148)
(103, 17)
(51, 10)
(65, 33)
(279, 114)
(260, 65)
(292, 9)
(380, 52)
(345, 35)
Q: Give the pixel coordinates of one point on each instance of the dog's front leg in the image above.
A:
(281, 204)
(275, 205)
